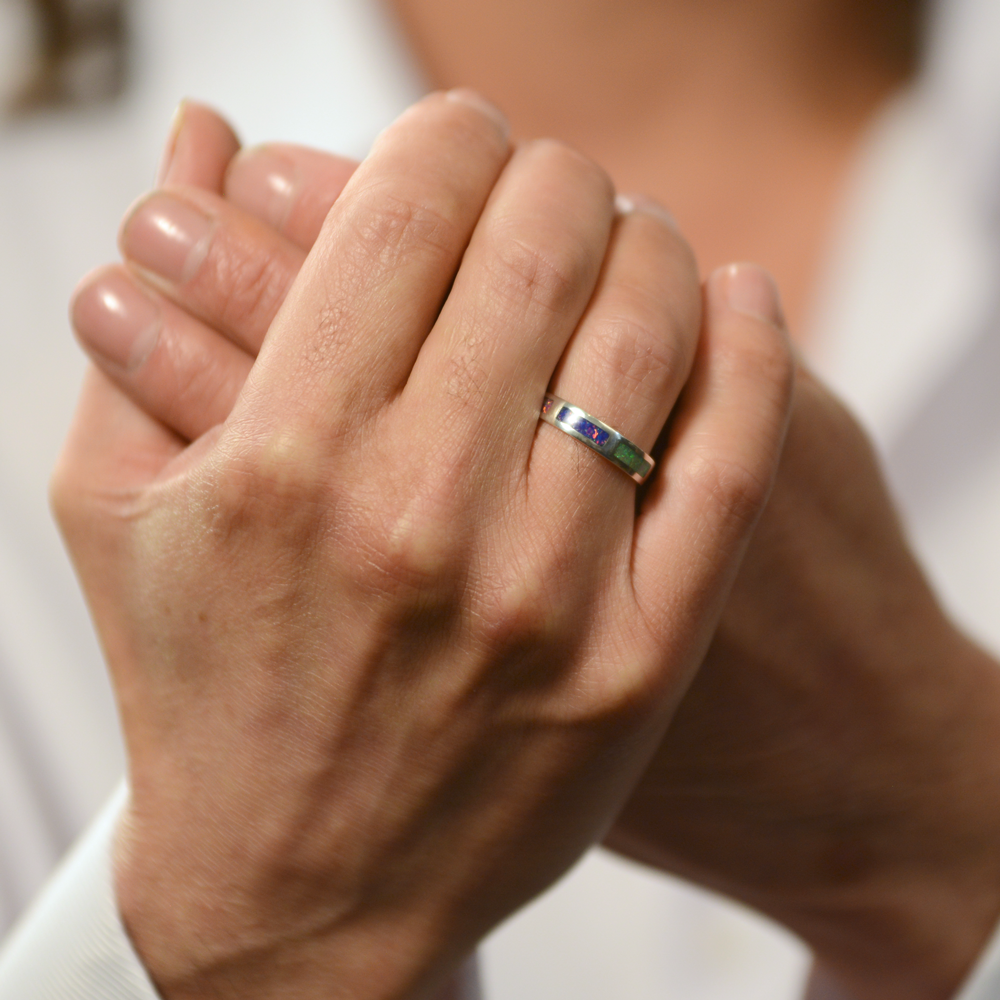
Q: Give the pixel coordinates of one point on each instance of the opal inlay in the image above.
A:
(627, 453)
(632, 457)
(547, 405)
(583, 426)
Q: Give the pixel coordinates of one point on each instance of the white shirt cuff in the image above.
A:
(984, 981)
(71, 944)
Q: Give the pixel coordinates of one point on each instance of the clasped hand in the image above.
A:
(390, 655)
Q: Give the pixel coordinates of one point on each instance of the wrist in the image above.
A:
(203, 941)
(907, 898)
(896, 942)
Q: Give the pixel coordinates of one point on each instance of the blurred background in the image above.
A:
(87, 89)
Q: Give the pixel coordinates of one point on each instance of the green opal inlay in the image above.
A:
(629, 455)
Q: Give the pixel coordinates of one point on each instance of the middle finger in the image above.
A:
(530, 269)
(374, 283)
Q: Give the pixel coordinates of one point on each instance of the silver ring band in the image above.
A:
(596, 434)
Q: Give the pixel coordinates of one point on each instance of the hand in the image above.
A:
(835, 763)
(826, 765)
(765, 779)
(192, 372)
(381, 680)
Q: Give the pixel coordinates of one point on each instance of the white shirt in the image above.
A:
(610, 929)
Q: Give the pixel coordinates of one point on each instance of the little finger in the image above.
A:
(723, 453)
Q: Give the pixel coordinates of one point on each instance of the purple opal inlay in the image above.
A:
(583, 426)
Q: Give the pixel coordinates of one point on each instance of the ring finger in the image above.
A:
(627, 361)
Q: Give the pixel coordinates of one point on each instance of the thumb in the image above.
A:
(112, 453)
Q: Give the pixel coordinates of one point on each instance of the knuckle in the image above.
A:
(730, 490)
(547, 275)
(524, 611)
(414, 530)
(411, 558)
(412, 542)
(525, 629)
(393, 226)
(534, 601)
(642, 357)
(273, 487)
(252, 287)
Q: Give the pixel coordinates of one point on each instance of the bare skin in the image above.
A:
(745, 120)
(833, 763)
(742, 118)
(775, 96)
(444, 683)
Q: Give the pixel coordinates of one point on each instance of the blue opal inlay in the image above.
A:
(583, 426)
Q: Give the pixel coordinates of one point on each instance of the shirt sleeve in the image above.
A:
(71, 944)
(984, 981)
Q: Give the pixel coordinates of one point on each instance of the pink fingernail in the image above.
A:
(116, 320)
(749, 289)
(265, 183)
(167, 236)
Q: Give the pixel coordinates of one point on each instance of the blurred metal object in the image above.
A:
(80, 55)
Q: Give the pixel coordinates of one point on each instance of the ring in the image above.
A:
(596, 434)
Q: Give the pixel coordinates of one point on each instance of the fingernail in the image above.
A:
(116, 320)
(462, 95)
(265, 183)
(163, 171)
(628, 203)
(167, 236)
(749, 289)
